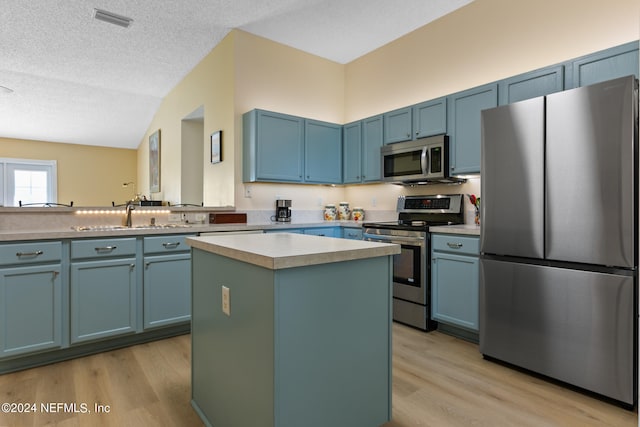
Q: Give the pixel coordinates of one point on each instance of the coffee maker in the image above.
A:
(283, 210)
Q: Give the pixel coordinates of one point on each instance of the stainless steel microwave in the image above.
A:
(422, 160)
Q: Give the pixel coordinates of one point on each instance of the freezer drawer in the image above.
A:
(572, 325)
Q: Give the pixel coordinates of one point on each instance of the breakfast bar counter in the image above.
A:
(291, 330)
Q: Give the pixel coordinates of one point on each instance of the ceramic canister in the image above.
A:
(344, 211)
(330, 212)
(357, 214)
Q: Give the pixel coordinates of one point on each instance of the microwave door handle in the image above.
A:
(424, 160)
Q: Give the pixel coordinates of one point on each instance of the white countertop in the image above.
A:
(286, 250)
(69, 233)
(468, 229)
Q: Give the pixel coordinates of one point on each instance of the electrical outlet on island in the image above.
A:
(226, 302)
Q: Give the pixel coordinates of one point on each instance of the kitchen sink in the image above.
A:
(123, 227)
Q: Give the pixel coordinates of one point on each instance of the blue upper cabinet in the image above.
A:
(323, 152)
(464, 126)
(352, 153)
(361, 150)
(398, 125)
(273, 147)
(430, 118)
(418, 121)
(282, 148)
(531, 85)
(608, 64)
(372, 141)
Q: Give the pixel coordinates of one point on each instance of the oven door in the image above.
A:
(409, 266)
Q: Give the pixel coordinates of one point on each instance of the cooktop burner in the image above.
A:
(420, 212)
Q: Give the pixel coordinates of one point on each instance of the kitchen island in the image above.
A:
(291, 330)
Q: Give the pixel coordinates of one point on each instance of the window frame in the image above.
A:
(8, 165)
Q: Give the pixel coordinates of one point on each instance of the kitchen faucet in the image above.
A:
(129, 207)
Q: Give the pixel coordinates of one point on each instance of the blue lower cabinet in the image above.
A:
(30, 309)
(455, 281)
(333, 231)
(103, 299)
(353, 233)
(167, 289)
(280, 358)
(324, 231)
(285, 230)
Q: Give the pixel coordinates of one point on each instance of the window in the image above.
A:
(28, 181)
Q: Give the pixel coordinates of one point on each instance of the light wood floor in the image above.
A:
(438, 380)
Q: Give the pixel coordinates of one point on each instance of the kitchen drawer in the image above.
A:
(29, 253)
(103, 248)
(352, 233)
(455, 243)
(165, 244)
(324, 231)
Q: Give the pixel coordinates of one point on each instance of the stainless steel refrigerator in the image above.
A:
(558, 268)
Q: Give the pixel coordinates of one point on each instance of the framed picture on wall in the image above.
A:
(154, 162)
(216, 147)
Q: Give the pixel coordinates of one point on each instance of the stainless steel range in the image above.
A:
(412, 267)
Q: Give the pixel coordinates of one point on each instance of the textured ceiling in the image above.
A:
(83, 81)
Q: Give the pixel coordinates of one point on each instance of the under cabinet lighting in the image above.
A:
(121, 211)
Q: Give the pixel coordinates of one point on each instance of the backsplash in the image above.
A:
(315, 215)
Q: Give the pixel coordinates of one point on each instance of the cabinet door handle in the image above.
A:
(105, 248)
(55, 274)
(29, 254)
(454, 245)
(146, 265)
(131, 267)
(171, 245)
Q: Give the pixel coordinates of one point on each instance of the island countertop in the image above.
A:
(287, 250)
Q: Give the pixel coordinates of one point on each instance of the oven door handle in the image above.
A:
(400, 240)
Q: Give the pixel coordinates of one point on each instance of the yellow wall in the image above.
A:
(209, 84)
(87, 175)
(482, 42)
(275, 77)
(485, 41)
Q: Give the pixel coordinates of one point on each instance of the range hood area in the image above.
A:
(452, 180)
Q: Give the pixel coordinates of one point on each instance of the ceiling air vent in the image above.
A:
(112, 18)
